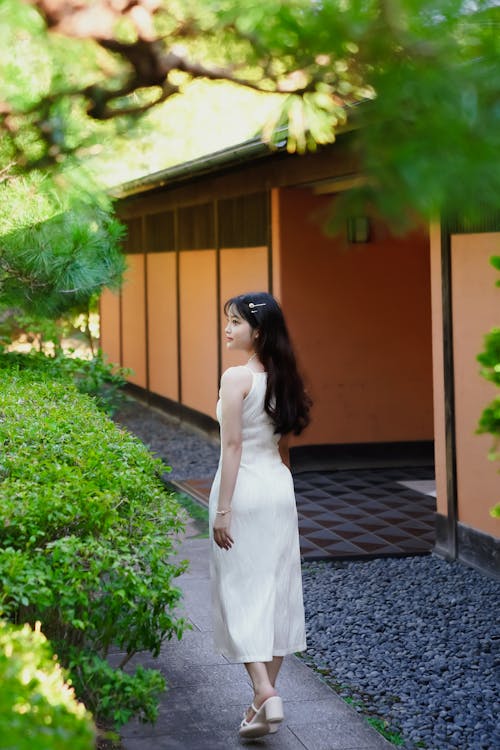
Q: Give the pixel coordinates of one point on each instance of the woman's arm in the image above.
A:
(235, 384)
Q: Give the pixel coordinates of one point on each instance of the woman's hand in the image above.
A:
(222, 535)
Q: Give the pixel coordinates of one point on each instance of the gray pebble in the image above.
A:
(414, 640)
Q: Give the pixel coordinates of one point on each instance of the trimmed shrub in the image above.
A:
(38, 708)
(95, 377)
(86, 540)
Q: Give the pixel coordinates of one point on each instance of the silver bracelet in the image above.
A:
(222, 512)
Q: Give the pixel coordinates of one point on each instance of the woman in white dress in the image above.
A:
(258, 612)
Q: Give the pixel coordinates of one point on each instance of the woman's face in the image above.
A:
(239, 333)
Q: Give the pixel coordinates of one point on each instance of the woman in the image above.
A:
(258, 611)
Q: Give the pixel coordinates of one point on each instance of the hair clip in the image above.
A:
(251, 305)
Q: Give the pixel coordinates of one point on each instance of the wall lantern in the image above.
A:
(358, 229)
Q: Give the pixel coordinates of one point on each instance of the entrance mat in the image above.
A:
(355, 514)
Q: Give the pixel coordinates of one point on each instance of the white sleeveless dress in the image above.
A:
(256, 586)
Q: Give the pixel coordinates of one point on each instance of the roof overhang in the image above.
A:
(232, 156)
(251, 150)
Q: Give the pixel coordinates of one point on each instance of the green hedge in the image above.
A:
(86, 540)
(96, 377)
(38, 709)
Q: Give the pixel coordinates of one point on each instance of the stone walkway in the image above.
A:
(207, 695)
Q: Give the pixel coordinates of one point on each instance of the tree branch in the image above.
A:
(151, 66)
(150, 61)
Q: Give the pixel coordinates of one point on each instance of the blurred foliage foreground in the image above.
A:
(78, 82)
(87, 557)
(489, 359)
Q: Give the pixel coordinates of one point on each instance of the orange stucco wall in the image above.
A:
(134, 320)
(276, 242)
(109, 321)
(162, 324)
(438, 371)
(476, 309)
(360, 319)
(198, 324)
(241, 270)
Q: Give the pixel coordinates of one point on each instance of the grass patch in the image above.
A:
(197, 512)
(378, 723)
(382, 726)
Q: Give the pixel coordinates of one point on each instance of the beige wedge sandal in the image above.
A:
(266, 719)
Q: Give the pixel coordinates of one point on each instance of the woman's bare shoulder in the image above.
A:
(237, 374)
(236, 377)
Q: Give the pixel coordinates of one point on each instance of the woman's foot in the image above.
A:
(265, 718)
(258, 700)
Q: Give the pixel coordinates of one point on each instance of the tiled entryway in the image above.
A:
(365, 512)
(358, 513)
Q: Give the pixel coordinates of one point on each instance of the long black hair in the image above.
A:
(286, 401)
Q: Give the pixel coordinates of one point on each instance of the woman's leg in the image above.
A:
(273, 667)
(263, 688)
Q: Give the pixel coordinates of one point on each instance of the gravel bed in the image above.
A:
(415, 641)
(189, 452)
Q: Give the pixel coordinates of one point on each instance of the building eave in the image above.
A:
(247, 151)
(227, 158)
